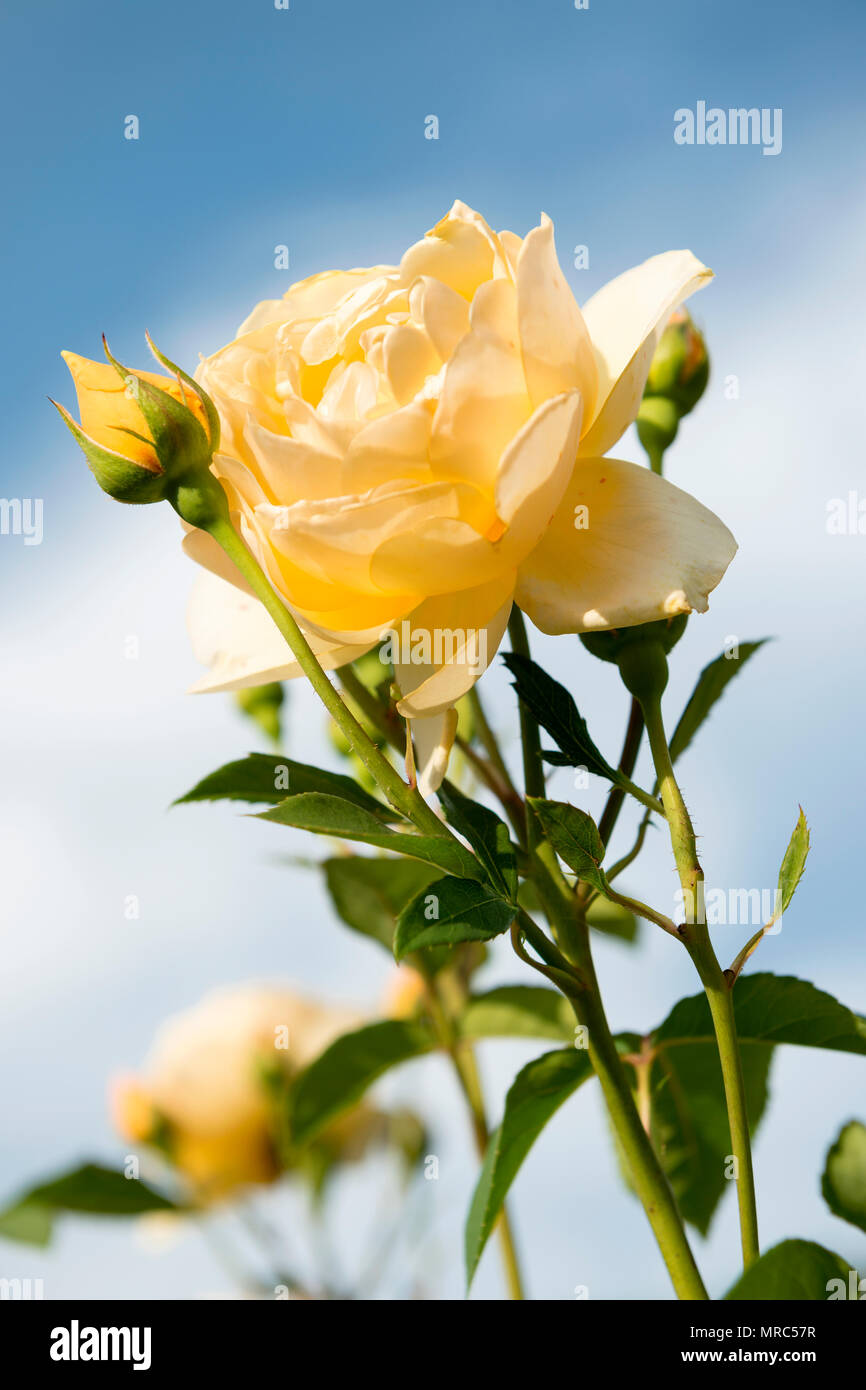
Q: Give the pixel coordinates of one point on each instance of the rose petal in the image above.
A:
(483, 401)
(625, 320)
(462, 632)
(554, 342)
(534, 473)
(433, 740)
(649, 551)
(237, 639)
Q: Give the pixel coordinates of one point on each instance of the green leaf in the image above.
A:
(94, 1190)
(690, 1121)
(28, 1223)
(613, 920)
(844, 1181)
(795, 1270)
(369, 894)
(771, 1009)
(574, 835)
(709, 688)
(519, 1011)
(329, 815)
(270, 778)
(338, 1078)
(551, 705)
(536, 1094)
(488, 836)
(688, 1114)
(464, 911)
(793, 863)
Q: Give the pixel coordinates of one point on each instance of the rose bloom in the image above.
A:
(203, 1096)
(410, 449)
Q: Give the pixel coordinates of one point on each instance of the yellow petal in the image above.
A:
(436, 557)
(483, 402)
(556, 347)
(409, 358)
(393, 446)
(447, 643)
(441, 311)
(625, 320)
(293, 469)
(460, 251)
(642, 549)
(336, 537)
(237, 640)
(534, 473)
(433, 740)
(309, 300)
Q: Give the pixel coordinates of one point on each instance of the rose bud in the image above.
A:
(680, 368)
(610, 645)
(147, 437)
(677, 379)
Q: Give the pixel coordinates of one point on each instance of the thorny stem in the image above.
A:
(579, 984)
(649, 1180)
(717, 984)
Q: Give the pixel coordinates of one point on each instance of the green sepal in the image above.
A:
(122, 479)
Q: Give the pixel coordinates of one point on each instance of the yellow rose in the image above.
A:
(408, 449)
(203, 1094)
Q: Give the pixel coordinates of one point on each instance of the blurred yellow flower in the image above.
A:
(404, 992)
(204, 1097)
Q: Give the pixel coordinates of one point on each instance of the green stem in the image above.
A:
(627, 760)
(647, 1175)
(533, 764)
(466, 1071)
(403, 798)
(716, 983)
(575, 977)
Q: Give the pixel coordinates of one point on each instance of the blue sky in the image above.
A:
(305, 127)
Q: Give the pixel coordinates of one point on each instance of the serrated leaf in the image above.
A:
(709, 689)
(795, 1270)
(95, 1190)
(535, 1095)
(270, 778)
(464, 911)
(518, 1011)
(369, 894)
(574, 835)
(554, 709)
(793, 863)
(771, 1009)
(844, 1180)
(338, 1078)
(329, 815)
(688, 1112)
(487, 834)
